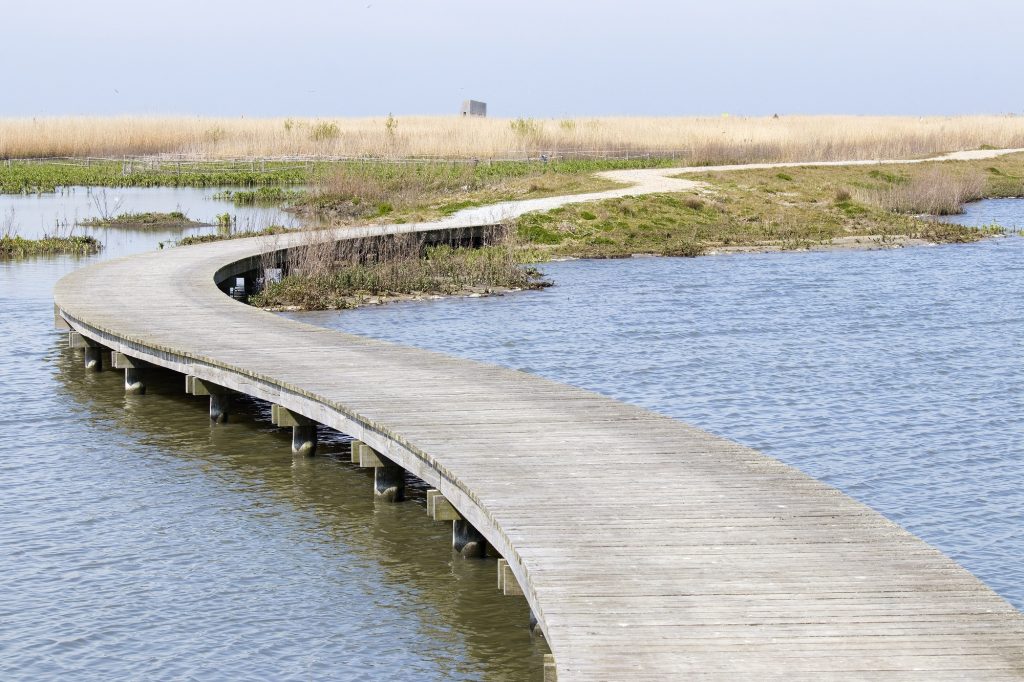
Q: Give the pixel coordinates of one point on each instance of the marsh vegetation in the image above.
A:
(410, 192)
(144, 221)
(14, 246)
(18, 177)
(743, 210)
(694, 140)
(769, 209)
(328, 275)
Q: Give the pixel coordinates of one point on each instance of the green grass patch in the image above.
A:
(352, 191)
(222, 236)
(819, 206)
(19, 177)
(145, 221)
(261, 196)
(13, 246)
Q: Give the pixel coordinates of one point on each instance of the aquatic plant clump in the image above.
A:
(13, 246)
(34, 177)
(174, 219)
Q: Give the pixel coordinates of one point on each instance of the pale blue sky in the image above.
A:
(525, 58)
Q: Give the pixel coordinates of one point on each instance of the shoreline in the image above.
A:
(842, 244)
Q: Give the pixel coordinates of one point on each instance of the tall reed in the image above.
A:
(326, 274)
(695, 140)
(935, 191)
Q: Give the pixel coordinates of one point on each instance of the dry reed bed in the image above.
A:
(696, 140)
(351, 273)
(935, 191)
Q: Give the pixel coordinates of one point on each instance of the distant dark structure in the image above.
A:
(473, 108)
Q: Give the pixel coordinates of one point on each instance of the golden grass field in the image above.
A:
(695, 140)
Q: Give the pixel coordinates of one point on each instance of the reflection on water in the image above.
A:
(138, 542)
(35, 215)
(894, 375)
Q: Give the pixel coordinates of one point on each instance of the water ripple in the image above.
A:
(895, 376)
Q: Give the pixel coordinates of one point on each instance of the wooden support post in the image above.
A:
(431, 494)
(389, 480)
(388, 477)
(94, 358)
(368, 457)
(59, 322)
(467, 540)
(550, 671)
(93, 350)
(133, 382)
(77, 341)
(304, 429)
(304, 439)
(507, 582)
(443, 510)
(220, 397)
(220, 407)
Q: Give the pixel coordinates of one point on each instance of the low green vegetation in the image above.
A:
(34, 177)
(13, 246)
(146, 221)
(407, 192)
(768, 210)
(441, 270)
(221, 236)
(261, 196)
(750, 210)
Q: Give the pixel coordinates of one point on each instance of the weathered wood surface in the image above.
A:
(648, 549)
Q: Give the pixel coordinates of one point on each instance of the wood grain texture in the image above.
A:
(648, 549)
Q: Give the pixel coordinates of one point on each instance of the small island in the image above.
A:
(13, 246)
(145, 221)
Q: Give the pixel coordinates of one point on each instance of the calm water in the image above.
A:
(35, 215)
(137, 542)
(895, 376)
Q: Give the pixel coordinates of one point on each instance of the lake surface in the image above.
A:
(896, 376)
(36, 215)
(139, 542)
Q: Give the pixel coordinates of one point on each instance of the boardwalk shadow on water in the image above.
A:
(323, 579)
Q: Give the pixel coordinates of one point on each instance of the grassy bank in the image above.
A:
(13, 246)
(794, 208)
(35, 177)
(438, 271)
(144, 221)
(244, 234)
(347, 192)
(714, 139)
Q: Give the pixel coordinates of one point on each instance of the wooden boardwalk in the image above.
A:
(648, 549)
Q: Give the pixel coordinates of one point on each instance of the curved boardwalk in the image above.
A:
(648, 549)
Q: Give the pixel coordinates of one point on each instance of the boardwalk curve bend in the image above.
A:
(647, 549)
